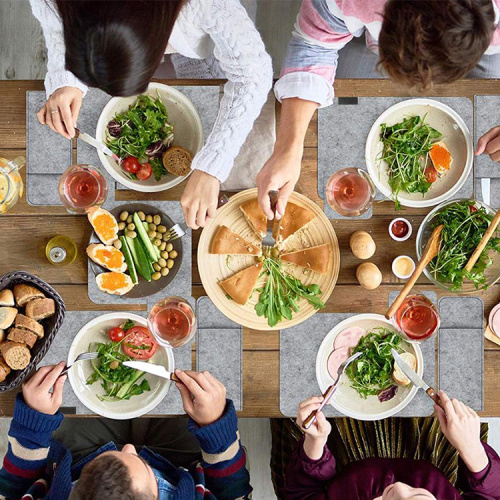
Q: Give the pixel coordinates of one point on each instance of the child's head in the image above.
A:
(116, 475)
(434, 41)
(402, 491)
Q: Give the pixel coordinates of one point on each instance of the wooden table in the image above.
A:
(26, 229)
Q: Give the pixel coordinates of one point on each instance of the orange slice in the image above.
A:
(104, 224)
(107, 256)
(114, 283)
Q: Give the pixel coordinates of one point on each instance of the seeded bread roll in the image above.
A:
(4, 370)
(7, 298)
(40, 308)
(25, 293)
(22, 336)
(23, 321)
(7, 317)
(177, 160)
(15, 354)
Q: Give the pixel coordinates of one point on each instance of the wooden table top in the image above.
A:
(26, 229)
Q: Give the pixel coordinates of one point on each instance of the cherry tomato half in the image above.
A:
(430, 174)
(139, 344)
(116, 334)
(472, 209)
(131, 164)
(144, 172)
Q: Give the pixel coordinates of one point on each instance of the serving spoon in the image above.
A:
(430, 251)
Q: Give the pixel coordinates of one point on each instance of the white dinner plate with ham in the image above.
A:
(336, 347)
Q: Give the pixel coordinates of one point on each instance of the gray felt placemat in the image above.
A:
(180, 285)
(219, 348)
(461, 349)
(73, 322)
(298, 349)
(346, 119)
(49, 155)
(486, 116)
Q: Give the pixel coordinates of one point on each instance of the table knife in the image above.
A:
(158, 370)
(416, 379)
(486, 190)
(96, 144)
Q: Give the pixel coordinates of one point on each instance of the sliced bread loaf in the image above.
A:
(22, 336)
(23, 321)
(25, 293)
(15, 354)
(40, 308)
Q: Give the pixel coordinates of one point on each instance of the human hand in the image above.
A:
(489, 143)
(317, 434)
(203, 396)
(61, 111)
(36, 391)
(199, 200)
(280, 173)
(462, 427)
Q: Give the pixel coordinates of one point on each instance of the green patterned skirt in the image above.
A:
(351, 440)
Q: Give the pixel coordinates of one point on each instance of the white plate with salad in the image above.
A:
(139, 129)
(419, 153)
(368, 389)
(104, 385)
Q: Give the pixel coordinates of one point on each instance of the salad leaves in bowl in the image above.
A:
(140, 129)
(464, 223)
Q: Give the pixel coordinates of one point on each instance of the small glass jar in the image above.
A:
(11, 183)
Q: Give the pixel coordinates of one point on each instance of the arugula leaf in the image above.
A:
(158, 168)
(128, 325)
(406, 147)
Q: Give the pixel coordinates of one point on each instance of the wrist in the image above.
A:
(289, 146)
(314, 446)
(475, 458)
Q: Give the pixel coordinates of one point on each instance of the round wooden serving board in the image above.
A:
(215, 268)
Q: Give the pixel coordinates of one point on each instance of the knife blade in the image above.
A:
(415, 378)
(96, 144)
(158, 370)
(486, 190)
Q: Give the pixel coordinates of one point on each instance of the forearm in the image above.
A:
(475, 459)
(296, 114)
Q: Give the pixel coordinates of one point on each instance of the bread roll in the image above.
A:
(25, 293)
(40, 308)
(16, 355)
(7, 298)
(7, 317)
(23, 321)
(22, 336)
(4, 370)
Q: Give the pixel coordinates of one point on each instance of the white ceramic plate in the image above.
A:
(455, 134)
(188, 133)
(346, 399)
(87, 394)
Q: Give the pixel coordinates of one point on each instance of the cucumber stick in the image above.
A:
(143, 264)
(143, 236)
(129, 260)
(157, 250)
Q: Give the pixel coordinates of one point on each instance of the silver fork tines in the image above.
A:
(175, 232)
(81, 357)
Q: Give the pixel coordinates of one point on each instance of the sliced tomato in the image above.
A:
(116, 334)
(131, 164)
(139, 343)
(430, 174)
(472, 209)
(144, 172)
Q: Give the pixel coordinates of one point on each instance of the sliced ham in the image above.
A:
(348, 337)
(336, 358)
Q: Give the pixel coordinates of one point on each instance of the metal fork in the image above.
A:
(329, 392)
(175, 232)
(268, 242)
(81, 357)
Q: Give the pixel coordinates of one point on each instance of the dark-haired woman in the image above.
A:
(312, 471)
(118, 45)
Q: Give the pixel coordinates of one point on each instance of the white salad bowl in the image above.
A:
(87, 394)
(456, 136)
(346, 399)
(182, 115)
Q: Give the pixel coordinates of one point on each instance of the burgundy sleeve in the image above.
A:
(307, 479)
(484, 485)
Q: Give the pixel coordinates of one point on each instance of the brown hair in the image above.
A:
(106, 477)
(434, 41)
(116, 45)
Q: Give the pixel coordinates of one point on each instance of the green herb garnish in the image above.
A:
(371, 373)
(464, 226)
(280, 295)
(128, 325)
(406, 148)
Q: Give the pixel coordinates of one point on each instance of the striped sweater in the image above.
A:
(322, 28)
(36, 466)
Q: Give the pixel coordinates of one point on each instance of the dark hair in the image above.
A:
(106, 477)
(116, 45)
(434, 41)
